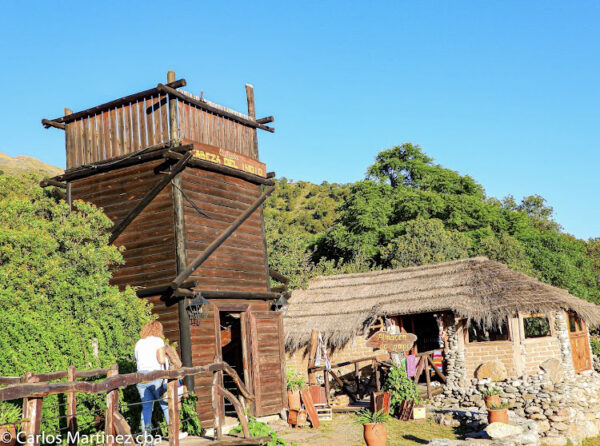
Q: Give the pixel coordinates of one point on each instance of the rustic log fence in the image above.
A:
(425, 365)
(32, 388)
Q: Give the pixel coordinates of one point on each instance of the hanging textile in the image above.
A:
(412, 361)
(321, 356)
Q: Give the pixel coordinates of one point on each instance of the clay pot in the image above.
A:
(498, 416)
(492, 400)
(375, 434)
(13, 434)
(294, 400)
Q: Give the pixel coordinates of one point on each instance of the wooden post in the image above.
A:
(252, 115)
(327, 390)
(34, 415)
(357, 378)
(376, 375)
(312, 350)
(427, 377)
(112, 405)
(215, 404)
(71, 408)
(185, 334)
(173, 428)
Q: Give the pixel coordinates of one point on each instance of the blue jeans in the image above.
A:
(149, 392)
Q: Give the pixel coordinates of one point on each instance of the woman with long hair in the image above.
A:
(150, 356)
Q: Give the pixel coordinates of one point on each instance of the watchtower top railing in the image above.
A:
(153, 117)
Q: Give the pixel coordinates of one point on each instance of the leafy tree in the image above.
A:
(58, 308)
(426, 241)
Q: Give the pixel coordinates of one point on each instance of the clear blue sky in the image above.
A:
(506, 91)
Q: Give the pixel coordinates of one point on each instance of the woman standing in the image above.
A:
(150, 356)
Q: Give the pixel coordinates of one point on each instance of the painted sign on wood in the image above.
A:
(227, 158)
(393, 343)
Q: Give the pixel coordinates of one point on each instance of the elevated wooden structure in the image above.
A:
(180, 178)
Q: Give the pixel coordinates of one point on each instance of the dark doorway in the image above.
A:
(232, 352)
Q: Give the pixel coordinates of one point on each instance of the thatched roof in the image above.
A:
(477, 288)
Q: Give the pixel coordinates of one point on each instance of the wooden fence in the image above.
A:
(32, 389)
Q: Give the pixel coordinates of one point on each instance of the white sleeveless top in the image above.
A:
(145, 354)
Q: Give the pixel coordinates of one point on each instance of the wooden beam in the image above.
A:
(252, 115)
(52, 182)
(184, 275)
(278, 276)
(141, 156)
(265, 120)
(210, 108)
(157, 290)
(208, 294)
(115, 103)
(49, 123)
(225, 170)
(38, 390)
(312, 351)
(149, 197)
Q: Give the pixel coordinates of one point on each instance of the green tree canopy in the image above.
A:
(58, 308)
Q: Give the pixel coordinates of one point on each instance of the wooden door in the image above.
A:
(267, 361)
(580, 346)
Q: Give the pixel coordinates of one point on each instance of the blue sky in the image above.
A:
(506, 91)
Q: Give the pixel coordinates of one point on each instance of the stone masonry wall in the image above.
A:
(537, 350)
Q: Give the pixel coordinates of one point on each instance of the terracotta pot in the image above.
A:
(498, 416)
(375, 434)
(294, 400)
(492, 400)
(13, 434)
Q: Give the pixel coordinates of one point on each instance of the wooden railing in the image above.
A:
(32, 389)
(155, 117)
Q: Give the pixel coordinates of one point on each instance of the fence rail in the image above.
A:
(32, 388)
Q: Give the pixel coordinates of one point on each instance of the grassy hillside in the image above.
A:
(20, 165)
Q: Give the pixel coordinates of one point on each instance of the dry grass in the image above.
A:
(343, 431)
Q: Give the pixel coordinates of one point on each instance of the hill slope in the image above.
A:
(20, 165)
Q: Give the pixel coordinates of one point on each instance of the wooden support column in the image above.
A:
(252, 115)
(216, 409)
(376, 375)
(71, 408)
(112, 406)
(185, 332)
(312, 350)
(357, 379)
(172, 398)
(427, 377)
(327, 389)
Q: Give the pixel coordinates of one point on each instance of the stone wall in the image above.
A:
(564, 410)
(477, 353)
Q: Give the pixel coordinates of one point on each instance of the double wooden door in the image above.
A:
(580, 346)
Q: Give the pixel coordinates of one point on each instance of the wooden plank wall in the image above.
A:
(238, 264)
(149, 240)
(144, 123)
(117, 132)
(205, 127)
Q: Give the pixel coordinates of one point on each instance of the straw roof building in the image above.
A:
(474, 296)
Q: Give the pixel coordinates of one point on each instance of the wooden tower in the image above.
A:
(180, 178)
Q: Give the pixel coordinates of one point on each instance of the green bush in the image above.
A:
(58, 308)
(401, 387)
(595, 343)
(260, 429)
(295, 381)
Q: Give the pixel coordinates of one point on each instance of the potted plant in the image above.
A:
(401, 388)
(295, 383)
(491, 396)
(10, 418)
(498, 413)
(374, 426)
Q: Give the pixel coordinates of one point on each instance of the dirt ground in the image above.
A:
(343, 431)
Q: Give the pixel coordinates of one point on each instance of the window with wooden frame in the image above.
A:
(575, 323)
(498, 332)
(536, 325)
